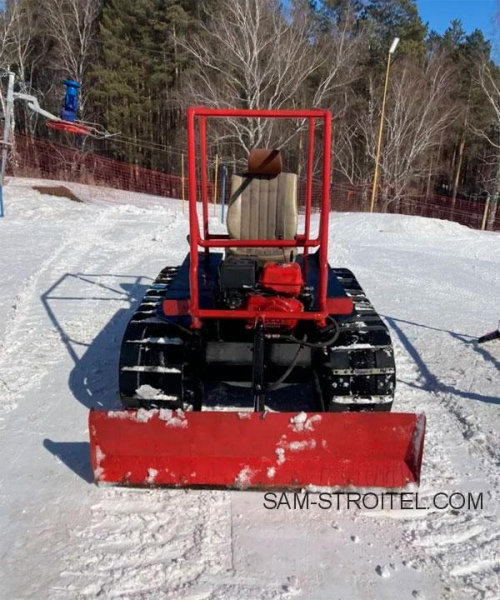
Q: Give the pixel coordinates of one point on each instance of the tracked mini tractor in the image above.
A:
(259, 365)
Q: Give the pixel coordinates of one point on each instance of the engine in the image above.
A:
(275, 287)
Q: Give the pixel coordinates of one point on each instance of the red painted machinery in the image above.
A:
(259, 366)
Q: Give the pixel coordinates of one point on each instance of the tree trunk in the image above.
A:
(429, 179)
(457, 172)
(494, 201)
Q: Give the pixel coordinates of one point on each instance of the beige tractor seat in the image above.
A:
(263, 206)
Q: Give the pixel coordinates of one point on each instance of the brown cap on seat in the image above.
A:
(264, 162)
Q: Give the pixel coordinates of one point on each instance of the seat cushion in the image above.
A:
(264, 255)
(263, 207)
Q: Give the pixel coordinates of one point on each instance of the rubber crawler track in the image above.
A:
(356, 373)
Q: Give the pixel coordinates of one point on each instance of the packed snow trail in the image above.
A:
(71, 274)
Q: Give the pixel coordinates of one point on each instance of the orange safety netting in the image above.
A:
(39, 158)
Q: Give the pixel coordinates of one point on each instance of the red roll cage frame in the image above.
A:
(209, 240)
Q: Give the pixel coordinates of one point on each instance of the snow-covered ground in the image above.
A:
(70, 274)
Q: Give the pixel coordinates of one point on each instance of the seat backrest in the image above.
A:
(263, 203)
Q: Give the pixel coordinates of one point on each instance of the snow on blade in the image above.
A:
(152, 473)
(280, 455)
(119, 414)
(301, 423)
(244, 415)
(173, 418)
(302, 445)
(100, 456)
(244, 478)
(143, 415)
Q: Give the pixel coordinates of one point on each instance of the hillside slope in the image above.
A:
(70, 275)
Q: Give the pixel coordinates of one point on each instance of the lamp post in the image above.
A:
(381, 129)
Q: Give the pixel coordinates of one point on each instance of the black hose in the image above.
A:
(287, 373)
(317, 345)
(303, 342)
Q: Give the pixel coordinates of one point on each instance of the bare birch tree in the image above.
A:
(419, 109)
(8, 21)
(250, 54)
(349, 157)
(488, 179)
(71, 24)
(18, 30)
(489, 81)
(18, 27)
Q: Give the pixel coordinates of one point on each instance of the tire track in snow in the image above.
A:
(32, 360)
(24, 332)
(459, 542)
(157, 544)
(162, 544)
(140, 542)
(131, 534)
(460, 453)
(31, 345)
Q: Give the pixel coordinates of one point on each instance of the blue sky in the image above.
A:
(474, 14)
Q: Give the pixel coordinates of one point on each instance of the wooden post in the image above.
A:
(183, 185)
(216, 180)
(299, 164)
(485, 214)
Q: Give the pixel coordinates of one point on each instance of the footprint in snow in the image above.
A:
(383, 571)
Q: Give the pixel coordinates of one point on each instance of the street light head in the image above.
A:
(394, 45)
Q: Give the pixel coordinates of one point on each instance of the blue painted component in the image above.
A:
(71, 104)
(223, 177)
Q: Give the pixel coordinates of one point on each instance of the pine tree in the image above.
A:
(465, 52)
(387, 19)
(137, 73)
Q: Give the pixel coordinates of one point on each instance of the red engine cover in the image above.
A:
(274, 304)
(282, 278)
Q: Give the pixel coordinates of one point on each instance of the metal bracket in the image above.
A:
(258, 368)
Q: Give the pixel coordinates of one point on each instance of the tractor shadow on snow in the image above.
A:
(430, 381)
(75, 455)
(93, 379)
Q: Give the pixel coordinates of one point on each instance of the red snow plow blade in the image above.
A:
(255, 450)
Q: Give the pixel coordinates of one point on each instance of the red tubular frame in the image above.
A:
(209, 240)
(309, 182)
(204, 178)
